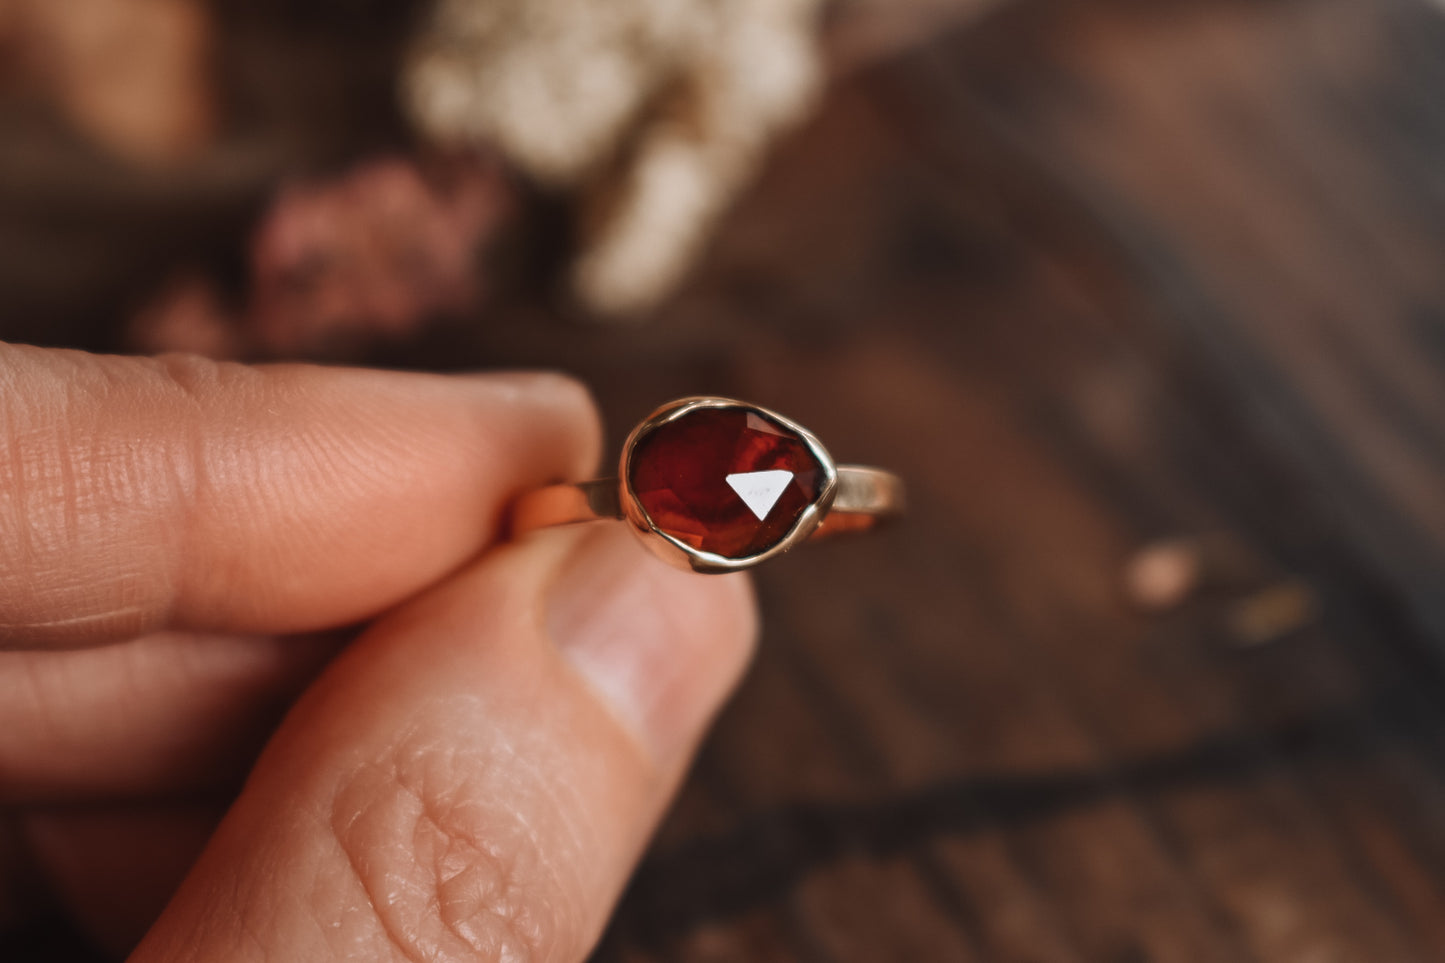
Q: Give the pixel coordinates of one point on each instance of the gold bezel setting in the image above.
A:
(679, 553)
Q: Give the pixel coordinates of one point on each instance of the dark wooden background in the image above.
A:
(1090, 273)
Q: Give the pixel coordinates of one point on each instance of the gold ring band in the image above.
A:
(866, 496)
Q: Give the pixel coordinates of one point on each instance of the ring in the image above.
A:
(718, 485)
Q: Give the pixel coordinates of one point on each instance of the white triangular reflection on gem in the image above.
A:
(760, 489)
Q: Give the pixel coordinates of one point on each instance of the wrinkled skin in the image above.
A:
(466, 744)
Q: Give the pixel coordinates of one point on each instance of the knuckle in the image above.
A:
(90, 487)
(449, 872)
(106, 463)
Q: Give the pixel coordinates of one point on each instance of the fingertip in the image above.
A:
(413, 471)
(662, 647)
(567, 400)
(481, 768)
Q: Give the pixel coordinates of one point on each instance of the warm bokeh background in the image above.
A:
(1145, 298)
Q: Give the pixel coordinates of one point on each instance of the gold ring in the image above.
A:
(718, 485)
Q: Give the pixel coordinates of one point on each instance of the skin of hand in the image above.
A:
(467, 744)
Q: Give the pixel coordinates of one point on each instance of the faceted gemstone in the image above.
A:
(729, 481)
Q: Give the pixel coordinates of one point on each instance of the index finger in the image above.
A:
(138, 494)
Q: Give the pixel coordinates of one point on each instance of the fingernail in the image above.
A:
(526, 382)
(660, 646)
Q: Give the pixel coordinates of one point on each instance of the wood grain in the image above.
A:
(1090, 274)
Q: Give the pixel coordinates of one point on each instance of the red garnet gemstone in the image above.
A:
(729, 481)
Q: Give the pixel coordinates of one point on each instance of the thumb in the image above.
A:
(475, 778)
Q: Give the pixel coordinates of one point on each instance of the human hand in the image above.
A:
(472, 777)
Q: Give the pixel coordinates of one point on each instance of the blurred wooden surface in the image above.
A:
(1090, 273)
